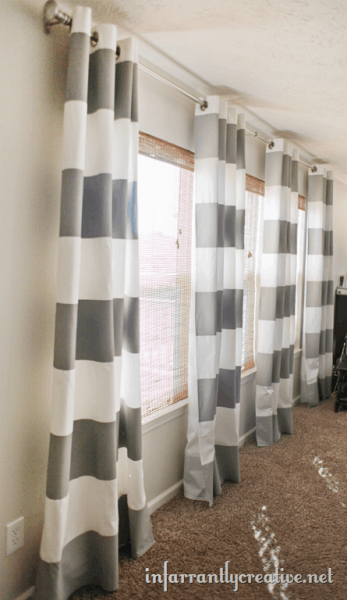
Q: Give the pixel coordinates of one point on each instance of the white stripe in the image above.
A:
(132, 278)
(206, 350)
(233, 270)
(206, 274)
(220, 269)
(130, 379)
(119, 248)
(227, 426)
(314, 268)
(272, 204)
(228, 349)
(273, 268)
(315, 215)
(240, 189)
(85, 494)
(130, 480)
(107, 37)
(313, 319)
(54, 528)
(81, 20)
(230, 184)
(125, 134)
(69, 256)
(74, 144)
(207, 441)
(232, 115)
(266, 336)
(238, 350)
(129, 50)
(96, 269)
(97, 390)
(63, 391)
(206, 180)
(99, 148)
(223, 109)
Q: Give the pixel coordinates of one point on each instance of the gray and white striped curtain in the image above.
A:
(95, 443)
(276, 325)
(317, 348)
(212, 454)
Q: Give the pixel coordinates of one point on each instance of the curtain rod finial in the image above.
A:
(53, 16)
(204, 105)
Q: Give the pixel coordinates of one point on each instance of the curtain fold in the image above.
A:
(276, 324)
(95, 496)
(215, 337)
(317, 349)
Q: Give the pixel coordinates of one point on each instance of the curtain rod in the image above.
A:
(52, 15)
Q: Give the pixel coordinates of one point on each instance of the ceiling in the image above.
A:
(284, 61)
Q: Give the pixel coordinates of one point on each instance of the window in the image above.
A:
(255, 190)
(165, 197)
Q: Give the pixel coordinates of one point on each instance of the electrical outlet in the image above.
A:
(15, 535)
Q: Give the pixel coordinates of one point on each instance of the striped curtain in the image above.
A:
(317, 354)
(212, 453)
(276, 325)
(95, 442)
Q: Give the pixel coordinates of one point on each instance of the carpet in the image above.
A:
(289, 512)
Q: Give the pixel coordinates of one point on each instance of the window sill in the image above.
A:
(248, 375)
(163, 416)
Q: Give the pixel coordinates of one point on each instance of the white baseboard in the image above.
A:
(26, 594)
(246, 436)
(296, 400)
(165, 496)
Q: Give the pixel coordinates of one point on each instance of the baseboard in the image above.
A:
(165, 496)
(246, 436)
(296, 400)
(26, 594)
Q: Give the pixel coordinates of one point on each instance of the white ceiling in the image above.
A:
(284, 61)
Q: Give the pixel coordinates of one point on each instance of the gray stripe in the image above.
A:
(131, 331)
(229, 226)
(206, 219)
(134, 97)
(77, 73)
(94, 450)
(267, 430)
(324, 386)
(199, 481)
(239, 229)
(241, 149)
(330, 192)
(206, 136)
(88, 559)
(273, 168)
(276, 366)
(232, 309)
(275, 237)
(268, 304)
(65, 336)
(207, 399)
(231, 155)
(97, 206)
(71, 203)
(295, 176)
(316, 188)
(229, 385)
(130, 432)
(58, 471)
(227, 458)
(328, 243)
(286, 170)
(118, 324)
(264, 369)
(206, 313)
(222, 225)
(219, 300)
(312, 345)
(123, 90)
(330, 293)
(124, 210)
(101, 83)
(293, 237)
(314, 293)
(95, 331)
(222, 139)
(326, 342)
(141, 536)
(285, 420)
(285, 363)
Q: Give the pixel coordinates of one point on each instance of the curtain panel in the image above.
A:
(95, 443)
(317, 348)
(215, 338)
(276, 324)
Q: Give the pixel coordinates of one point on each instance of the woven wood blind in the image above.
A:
(302, 203)
(165, 184)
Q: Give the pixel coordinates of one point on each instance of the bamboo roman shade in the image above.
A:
(165, 215)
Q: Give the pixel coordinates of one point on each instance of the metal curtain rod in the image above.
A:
(52, 15)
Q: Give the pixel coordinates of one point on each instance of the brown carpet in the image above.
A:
(302, 482)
